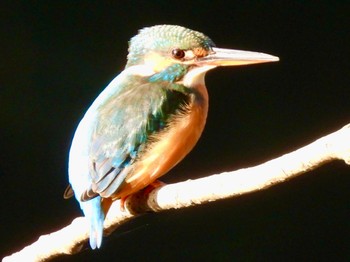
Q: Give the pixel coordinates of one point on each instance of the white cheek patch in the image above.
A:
(141, 70)
(195, 76)
(189, 55)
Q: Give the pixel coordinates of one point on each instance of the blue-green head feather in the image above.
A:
(163, 39)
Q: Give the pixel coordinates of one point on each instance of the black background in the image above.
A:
(56, 57)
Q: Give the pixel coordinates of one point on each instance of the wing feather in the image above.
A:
(124, 126)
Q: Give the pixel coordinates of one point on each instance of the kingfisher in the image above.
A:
(147, 119)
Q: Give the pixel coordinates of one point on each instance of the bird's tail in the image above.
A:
(95, 215)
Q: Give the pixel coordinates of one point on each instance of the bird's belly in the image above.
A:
(171, 146)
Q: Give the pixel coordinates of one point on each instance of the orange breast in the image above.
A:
(171, 146)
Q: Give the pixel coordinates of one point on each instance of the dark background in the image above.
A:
(56, 57)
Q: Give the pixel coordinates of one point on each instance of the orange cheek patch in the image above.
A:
(200, 52)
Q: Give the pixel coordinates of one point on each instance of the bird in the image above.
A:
(147, 119)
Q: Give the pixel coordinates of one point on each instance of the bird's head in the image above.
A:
(176, 50)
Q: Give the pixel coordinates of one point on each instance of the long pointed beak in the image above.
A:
(231, 57)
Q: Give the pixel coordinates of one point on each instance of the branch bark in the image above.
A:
(71, 239)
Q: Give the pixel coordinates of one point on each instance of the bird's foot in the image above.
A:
(122, 202)
(155, 184)
(141, 196)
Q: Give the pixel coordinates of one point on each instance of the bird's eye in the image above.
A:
(178, 53)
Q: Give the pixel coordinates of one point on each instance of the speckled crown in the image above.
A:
(162, 38)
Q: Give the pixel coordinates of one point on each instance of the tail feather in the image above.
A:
(96, 218)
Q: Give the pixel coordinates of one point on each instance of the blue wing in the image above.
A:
(124, 124)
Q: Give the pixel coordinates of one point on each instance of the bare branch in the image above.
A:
(70, 239)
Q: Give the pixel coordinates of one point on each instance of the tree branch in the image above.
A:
(71, 239)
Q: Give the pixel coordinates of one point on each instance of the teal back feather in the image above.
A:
(126, 121)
